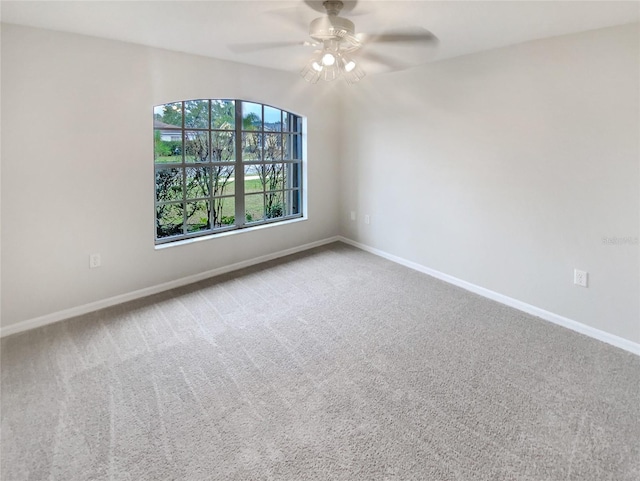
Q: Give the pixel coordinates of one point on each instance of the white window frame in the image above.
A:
(287, 154)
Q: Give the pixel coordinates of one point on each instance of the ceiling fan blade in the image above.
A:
(292, 17)
(419, 35)
(384, 60)
(258, 47)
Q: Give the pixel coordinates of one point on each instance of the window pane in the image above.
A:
(272, 147)
(198, 216)
(195, 154)
(224, 211)
(272, 120)
(223, 180)
(169, 220)
(198, 182)
(254, 207)
(196, 114)
(251, 146)
(223, 114)
(273, 177)
(292, 146)
(252, 178)
(167, 146)
(168, 115)
(274, 205)
(251, 116)
(196, 146)
(168, 184)
(223, 146)
(296, 123)
(292, 202)
(291, 175)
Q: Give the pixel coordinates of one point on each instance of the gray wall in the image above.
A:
(77, 165)
(507, 169)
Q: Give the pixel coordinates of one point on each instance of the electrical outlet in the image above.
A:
(367, 219)
(94, 261)
(580, 278)
(353, 215)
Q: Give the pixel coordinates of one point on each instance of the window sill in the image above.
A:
(228, 233)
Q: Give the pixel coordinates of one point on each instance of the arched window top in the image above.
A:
(224, 164)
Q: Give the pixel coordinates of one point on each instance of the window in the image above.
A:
(222, 165)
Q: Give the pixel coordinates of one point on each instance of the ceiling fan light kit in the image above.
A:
(339, 52)
(330, 66)
(338, 39)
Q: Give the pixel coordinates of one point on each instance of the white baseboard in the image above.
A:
(147, 291)
(612, 339)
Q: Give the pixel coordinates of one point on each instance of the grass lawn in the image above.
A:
(254, 206)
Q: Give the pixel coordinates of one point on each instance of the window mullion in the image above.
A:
(184, 176)
(263, 138)
(239, 174)
(211, 167)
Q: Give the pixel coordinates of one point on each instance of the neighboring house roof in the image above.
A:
(157, 124)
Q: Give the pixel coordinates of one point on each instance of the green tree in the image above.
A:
(251, 121)
(196, 114)
(223, 114)
(221, 176)
(171, 114)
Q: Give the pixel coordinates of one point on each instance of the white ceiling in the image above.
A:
(209, 28)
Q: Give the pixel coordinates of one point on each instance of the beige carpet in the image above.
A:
(333, 364)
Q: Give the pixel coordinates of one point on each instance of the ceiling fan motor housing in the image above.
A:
(330, 27)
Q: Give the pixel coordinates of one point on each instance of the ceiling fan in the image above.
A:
(339, 48)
